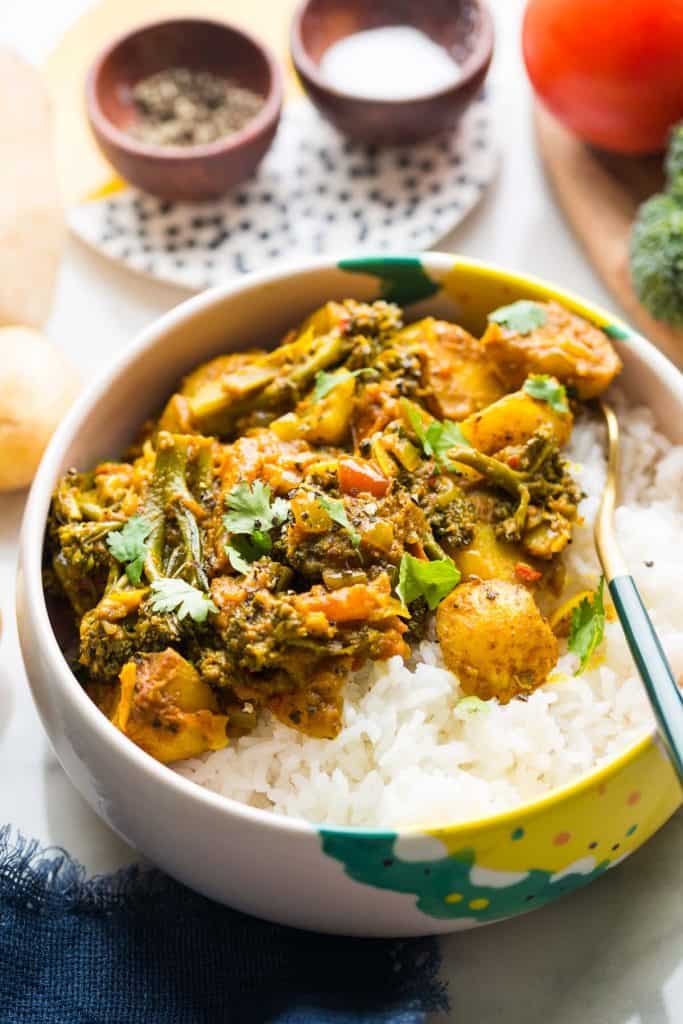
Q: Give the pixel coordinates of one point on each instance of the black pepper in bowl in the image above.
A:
(185, 107)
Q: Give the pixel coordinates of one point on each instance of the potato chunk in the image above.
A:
(215, 369)
(512, 420)
(208, 385)
(565, 346)
(486, 557)
(454, 368)
(494, 638)
(315, 709)
(320, 421)
(164, 707)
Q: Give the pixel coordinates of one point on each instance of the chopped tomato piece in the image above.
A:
(371, 601)
(346, 605)
(357, 476)
(526, 573)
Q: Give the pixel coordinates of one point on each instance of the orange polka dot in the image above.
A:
(602, 789)
(633, 797)
(561, 838)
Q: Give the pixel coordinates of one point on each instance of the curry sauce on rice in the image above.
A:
(329, 576)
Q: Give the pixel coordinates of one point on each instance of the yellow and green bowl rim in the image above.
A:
(514, 861)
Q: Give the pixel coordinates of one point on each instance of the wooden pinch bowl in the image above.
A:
(184, 173)
(463, 27)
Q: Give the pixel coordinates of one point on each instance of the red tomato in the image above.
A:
(610, 70)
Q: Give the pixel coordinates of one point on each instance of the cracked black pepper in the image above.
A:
(185, 107)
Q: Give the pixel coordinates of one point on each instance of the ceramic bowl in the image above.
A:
(463, 27)
(183, 173)
(436, 878)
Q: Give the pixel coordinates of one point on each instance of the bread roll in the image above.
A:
(31, 216)
(37, 385)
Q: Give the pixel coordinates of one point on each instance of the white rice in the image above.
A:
(408, 755)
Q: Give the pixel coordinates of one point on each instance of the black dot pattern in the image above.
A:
(315, 193)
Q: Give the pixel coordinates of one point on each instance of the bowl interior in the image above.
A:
(259, 312)
(188, 43)
(453, 24)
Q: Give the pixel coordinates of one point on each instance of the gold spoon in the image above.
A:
(651, 661)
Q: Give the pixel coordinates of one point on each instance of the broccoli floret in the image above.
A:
(656, 252)
(175, 543)
(374, 320)
(124, 622)
(674, 161)
(657, 256)
(79, 561)
(107, 643)
(540, 491)
(449, 513)
(268, 644)
(310, 555)
(122, 626)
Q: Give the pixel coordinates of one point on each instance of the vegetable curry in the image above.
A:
(294, 513)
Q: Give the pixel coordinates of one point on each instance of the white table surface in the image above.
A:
(609, 954)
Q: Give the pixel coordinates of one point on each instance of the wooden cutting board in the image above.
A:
(599, 194)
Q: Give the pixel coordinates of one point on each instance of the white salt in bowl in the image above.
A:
(463, 30)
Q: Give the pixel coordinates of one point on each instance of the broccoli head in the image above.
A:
(446, 508)
(125, 624)
(674, 162)
(81, 561)
(657, 256)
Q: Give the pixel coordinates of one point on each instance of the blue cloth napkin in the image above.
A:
(138, 948)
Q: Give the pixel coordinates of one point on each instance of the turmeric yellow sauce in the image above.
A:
(294, 513)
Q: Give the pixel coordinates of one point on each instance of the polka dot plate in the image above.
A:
(315, 193)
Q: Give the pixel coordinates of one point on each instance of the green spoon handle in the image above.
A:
(653, 666)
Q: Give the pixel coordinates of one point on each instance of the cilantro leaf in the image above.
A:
(438, 437)
(547, 389)
(242, 551)
(175, 595)
(326, 382)
(239, 557)
(129, 546)
(250, 511)
(337, 513)
(431, 580)
(523, 316)
(441, 437)
(261, 542)
(251, 514)
(417, 423)
(587, 628)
